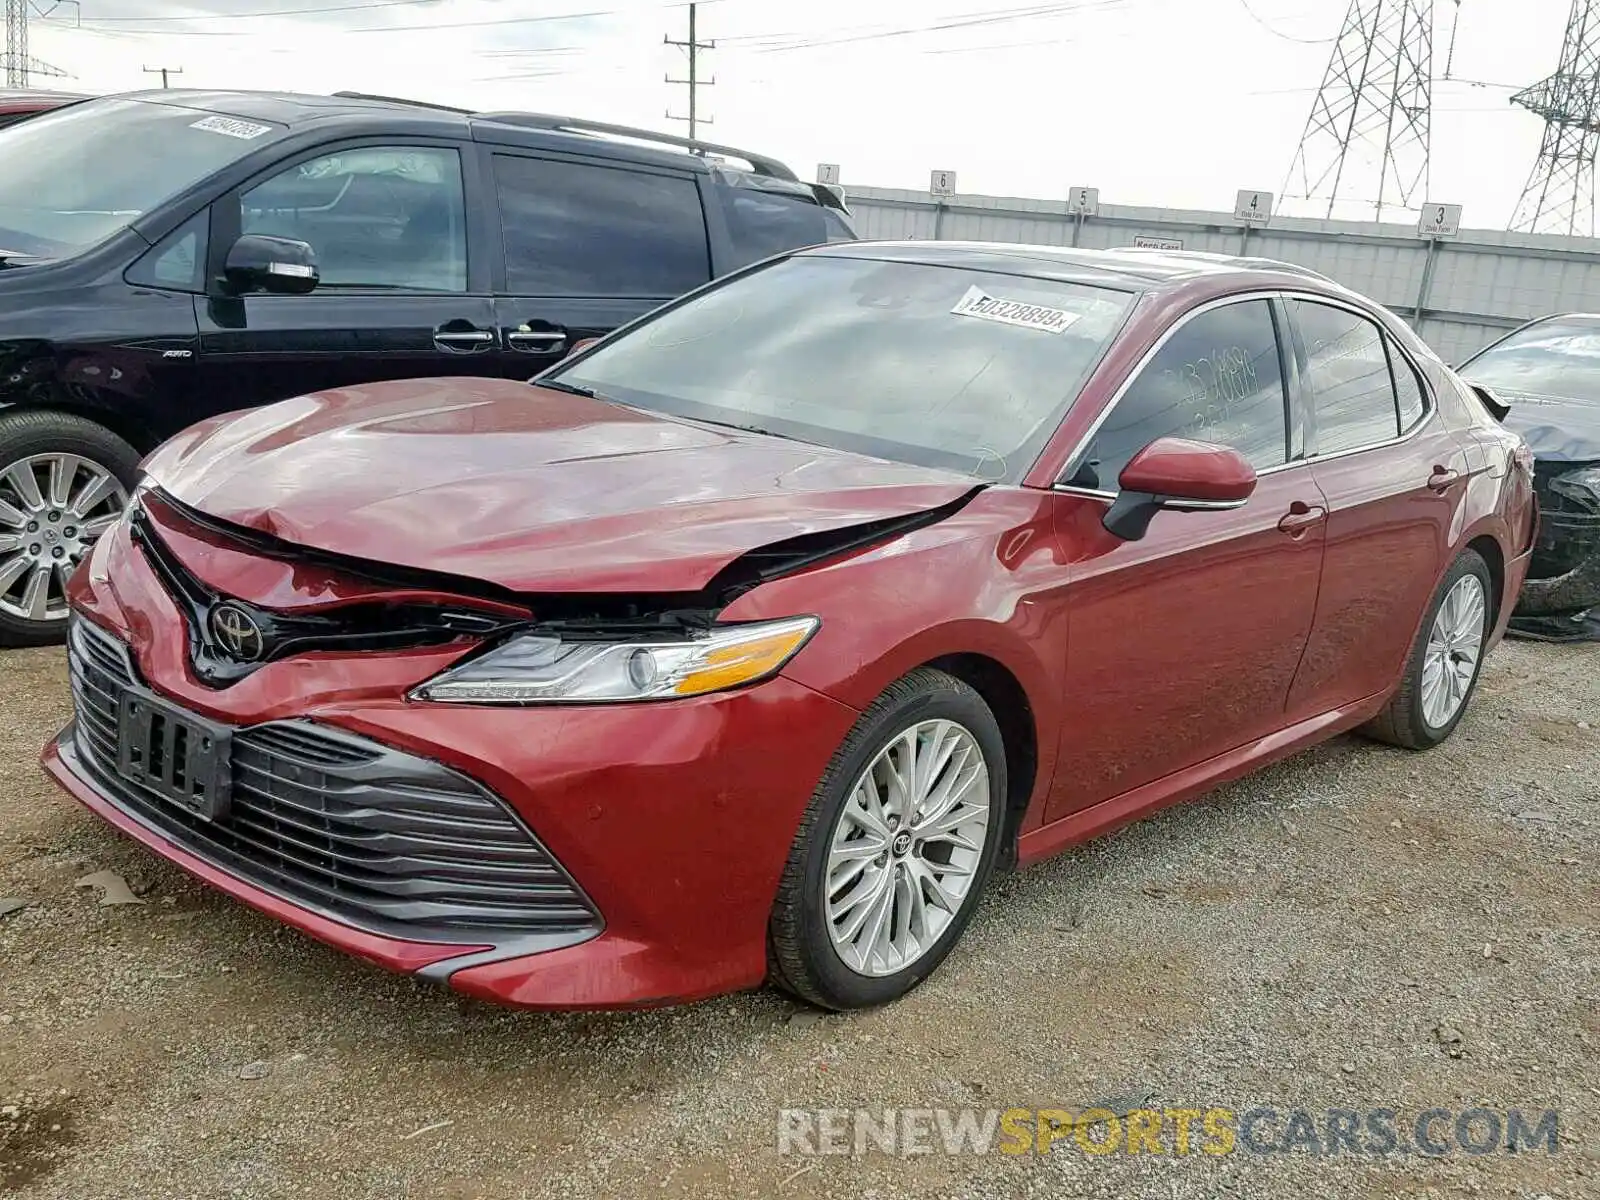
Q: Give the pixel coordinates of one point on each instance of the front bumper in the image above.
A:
(670, 822)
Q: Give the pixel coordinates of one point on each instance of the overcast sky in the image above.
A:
(1155, 102)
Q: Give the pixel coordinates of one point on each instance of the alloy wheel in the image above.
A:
(906, 847)
(52, 508)
(1455, 643)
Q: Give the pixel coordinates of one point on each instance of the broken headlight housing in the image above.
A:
(542, 668)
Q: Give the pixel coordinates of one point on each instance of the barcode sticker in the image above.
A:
(231, 127)
(978, 303)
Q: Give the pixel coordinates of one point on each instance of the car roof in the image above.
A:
(1126, 268)
(26, 99)
(294, 109)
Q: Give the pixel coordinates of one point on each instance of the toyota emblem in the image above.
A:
(237, 632)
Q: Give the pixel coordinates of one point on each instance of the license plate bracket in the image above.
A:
(183, 758)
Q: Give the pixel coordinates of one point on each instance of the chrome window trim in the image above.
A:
(1429, 400)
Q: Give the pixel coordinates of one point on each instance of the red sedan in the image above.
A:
(748, 644)
(22, 103)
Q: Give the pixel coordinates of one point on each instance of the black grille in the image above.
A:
(378, 838)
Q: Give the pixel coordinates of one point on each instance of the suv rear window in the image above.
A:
(763, 222)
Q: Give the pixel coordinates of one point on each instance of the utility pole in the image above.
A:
(1368, 135)
(1560, 195)
(694, 82)
(163, 72)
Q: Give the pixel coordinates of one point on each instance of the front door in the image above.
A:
(396, 298)
(1394, 477)
(1184, 644)
(588, 246)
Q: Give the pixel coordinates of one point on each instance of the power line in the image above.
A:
(1375, 102)
(1559, 196)
(694, 83)
(1287, 37)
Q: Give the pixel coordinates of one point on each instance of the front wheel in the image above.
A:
(1446, 659)
(895, 849)
(63, 481)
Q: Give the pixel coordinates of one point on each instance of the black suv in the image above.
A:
(169, 255)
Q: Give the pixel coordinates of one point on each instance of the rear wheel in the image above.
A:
(1446, 659)
(63, 481)
(895, 849)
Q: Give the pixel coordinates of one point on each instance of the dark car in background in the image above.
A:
(1544, 377)
(18, 104)
(170, 255)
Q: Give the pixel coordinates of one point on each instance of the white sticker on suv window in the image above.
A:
(232, 127)
(978, 303)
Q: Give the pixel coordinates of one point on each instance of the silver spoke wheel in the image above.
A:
(52, 508)
(1455, 643)
(906, 847)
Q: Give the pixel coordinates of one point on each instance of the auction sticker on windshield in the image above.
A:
(232, 127)
(978, 303)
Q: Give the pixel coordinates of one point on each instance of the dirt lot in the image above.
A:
(1359, 928)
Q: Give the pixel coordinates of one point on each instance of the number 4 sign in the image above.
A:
(1253, 208)
(1439, 220)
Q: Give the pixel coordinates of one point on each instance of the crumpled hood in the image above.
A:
(525, 487)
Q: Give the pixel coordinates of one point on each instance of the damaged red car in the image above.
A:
(749, 644)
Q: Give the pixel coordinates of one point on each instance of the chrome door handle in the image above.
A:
(463, 341)
(536, 341)
(1442, 478)
(1300, 517)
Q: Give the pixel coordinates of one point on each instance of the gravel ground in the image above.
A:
(1357, 928)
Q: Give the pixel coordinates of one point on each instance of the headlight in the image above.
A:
(538, 668)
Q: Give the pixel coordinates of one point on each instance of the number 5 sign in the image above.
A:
(1439, 220)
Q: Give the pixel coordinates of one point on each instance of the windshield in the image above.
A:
(1556, 359)
(931, 365)
(74, 177)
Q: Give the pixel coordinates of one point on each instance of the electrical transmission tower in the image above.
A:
(1559, 196)
(18, 65)
(1368, 137)
(694, 83)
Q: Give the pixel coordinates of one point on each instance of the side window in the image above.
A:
(763, 223)
(377, 216)
(1407, 387)
(1347, 370)
(178, 261)
(572, 229)
(1218, 378)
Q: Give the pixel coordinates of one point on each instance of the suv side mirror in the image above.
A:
(258, 263)
(1181, 475)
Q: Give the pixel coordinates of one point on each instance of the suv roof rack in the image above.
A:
(466, 112)
(762, 164)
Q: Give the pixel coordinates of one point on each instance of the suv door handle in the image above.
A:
(536, 341)
(1442, 478)
(1301, 517)
(462, 341)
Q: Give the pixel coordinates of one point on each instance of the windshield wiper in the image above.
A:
(788, 437)
(572, 389)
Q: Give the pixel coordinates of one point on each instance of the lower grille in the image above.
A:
(362, 832)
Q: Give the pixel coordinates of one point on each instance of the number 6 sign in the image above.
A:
(942, 184)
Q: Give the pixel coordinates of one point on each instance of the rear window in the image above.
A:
(762, 223)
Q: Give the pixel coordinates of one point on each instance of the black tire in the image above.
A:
(1402, 723)
(23, 434)
(802, 959)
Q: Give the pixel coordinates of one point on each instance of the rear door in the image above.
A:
(403, 293)
(585, 246)
(1394, 477)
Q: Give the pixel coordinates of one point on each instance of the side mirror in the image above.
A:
(258, 263)
(1181, 475)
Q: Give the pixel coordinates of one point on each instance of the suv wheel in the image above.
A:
(63, 481)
